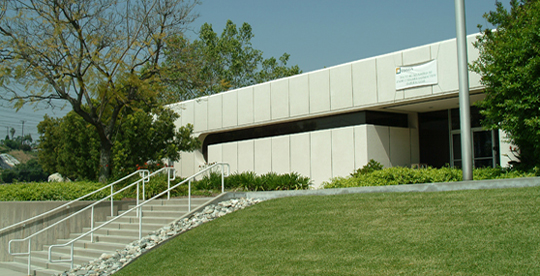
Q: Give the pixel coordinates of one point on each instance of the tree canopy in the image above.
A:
(216, 63)
(100, 56)
(70, 145)
(509, 64)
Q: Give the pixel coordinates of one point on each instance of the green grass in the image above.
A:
(481, 232)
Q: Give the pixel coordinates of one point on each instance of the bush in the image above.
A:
(401, 175)
(30, 171)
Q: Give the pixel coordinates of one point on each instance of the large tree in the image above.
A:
(216, 63)
(100, 56)
(509, 64)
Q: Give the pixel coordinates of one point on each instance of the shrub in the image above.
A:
(371, 166)
(401, 175)
(30, 171)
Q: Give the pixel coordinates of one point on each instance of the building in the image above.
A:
(400, 109)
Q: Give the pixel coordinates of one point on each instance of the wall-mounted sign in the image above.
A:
(418, 75)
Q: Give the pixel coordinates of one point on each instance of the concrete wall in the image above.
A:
(323, 154)
(367, 83)
(15, 211)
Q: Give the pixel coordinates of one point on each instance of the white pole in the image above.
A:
(464, 104)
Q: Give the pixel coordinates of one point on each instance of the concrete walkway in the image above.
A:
(428, 187)
(7, 272)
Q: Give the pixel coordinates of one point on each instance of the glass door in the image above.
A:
(484, 150)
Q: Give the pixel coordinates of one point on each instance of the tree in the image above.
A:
(213, 63)
(70, 145)
(509, 64)
(100, 56)
(12, 131)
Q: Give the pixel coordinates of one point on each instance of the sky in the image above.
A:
(316, 33)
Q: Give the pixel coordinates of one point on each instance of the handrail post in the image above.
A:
(140, 222)
(189, 195)
(72, 255)
(29, 256)
(168, 183)
(222, 178)
(145, 180)
(112, 208)
(138, 195)
(92, 225)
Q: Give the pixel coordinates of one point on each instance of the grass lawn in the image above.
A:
(482, 232)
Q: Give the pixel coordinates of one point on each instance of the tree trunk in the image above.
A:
(105, 160)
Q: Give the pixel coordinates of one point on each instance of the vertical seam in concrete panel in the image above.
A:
(288, 99)
(269, 94)
(329, 90)
(377, 79)
(354, 145)
(309, 96)
(352, 86)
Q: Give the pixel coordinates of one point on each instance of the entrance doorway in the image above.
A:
(484, 153)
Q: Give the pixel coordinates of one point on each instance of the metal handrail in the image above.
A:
(143, 180)
(73, 201)
(139, 208)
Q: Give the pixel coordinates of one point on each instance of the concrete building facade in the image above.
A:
(329, 122)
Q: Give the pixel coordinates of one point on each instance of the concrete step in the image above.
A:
(42, 263)
(103, 246)
(57, 255)
(80, 251)
(22, 269)
(157, 214)
(150, 220)
(149, 227)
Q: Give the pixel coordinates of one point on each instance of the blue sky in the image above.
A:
(317, 33)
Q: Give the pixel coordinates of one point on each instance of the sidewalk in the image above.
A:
(7, 272)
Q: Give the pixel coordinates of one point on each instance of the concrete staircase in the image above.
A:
(108, 239)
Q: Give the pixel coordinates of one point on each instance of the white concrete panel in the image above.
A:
(281, 154)
(201, 115)
(245, 156)
(230, 155)
(279, 99)
(178, 166)
(230, 108)
(263, 155)
(321, 157)
(178, 110)
(341, 87)
(301, 154)
(319, 91)
(378, 141)
(446, 55)
(215, 153)
(261, 98)
(188, 164)
(245, 106)
(342, 151)
(472, 55)
(364, 79)
(215, 109)
(386, 78)
(299, 95)
(188, 112)
(360, 146)
(400, 147)
(416, 55)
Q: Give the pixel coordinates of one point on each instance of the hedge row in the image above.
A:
(402, 175)
(208, 185)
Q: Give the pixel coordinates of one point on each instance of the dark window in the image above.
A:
(321, 123)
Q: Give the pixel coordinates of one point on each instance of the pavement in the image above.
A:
(7, 272)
